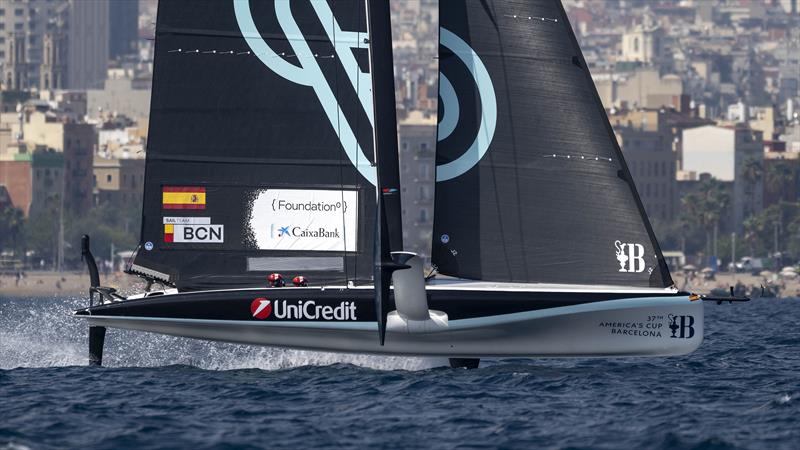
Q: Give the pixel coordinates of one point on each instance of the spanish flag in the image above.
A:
(182, 197)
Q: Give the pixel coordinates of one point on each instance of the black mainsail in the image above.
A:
(260, 148)
(531, 183)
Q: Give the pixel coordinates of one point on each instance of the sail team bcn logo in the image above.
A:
(308, 73)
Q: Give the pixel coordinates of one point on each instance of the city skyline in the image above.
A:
(701, 95)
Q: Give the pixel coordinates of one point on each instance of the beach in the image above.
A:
(35, 283)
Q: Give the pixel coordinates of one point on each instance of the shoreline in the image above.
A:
(36, 283)
(696, 284)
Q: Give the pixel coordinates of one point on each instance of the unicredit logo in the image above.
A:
(261, 308)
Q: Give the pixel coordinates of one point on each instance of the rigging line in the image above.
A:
(358, 117)
(358, 181)
(341, 169)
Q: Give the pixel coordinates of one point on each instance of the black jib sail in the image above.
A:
(531, 183)
(260, 144)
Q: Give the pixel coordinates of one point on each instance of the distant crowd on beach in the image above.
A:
(765, 284)
(33, 283)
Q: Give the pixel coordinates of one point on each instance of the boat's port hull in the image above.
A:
(552, 324)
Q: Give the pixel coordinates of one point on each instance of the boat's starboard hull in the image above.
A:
(527, 323)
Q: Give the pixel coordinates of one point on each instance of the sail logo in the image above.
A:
(451, 108)
(682, 327)
(262, 308)
(194, 230)
(300, 232)
(630, 257)
(308, 72)
(303, 220)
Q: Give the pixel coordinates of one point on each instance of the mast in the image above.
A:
(388, 226)
(385, 128)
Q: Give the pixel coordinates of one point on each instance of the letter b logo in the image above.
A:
(635, 257)
(687, 327)
(630, 257)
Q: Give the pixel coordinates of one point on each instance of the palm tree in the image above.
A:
(752, 171)
(752, 228)
(705, 206)
(11, 223)
(778, 176)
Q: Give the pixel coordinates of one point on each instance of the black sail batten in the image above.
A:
(260, 145)
(531, 183)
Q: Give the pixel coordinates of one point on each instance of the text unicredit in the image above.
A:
(310, 310)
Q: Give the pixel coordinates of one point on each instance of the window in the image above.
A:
(424, 194)
(108, 178)
(636, 44)
(423, 171)
(18, 12)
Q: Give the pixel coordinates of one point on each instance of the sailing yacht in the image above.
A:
(272, 156)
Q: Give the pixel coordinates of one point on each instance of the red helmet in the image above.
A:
(300, 281)
(276, 280)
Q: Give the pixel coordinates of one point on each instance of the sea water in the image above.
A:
(741, 389)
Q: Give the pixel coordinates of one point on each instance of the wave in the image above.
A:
(40, 332)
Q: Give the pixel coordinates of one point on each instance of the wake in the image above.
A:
(40, 332)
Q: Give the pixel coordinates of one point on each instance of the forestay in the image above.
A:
(260, 140)
(531, 183)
